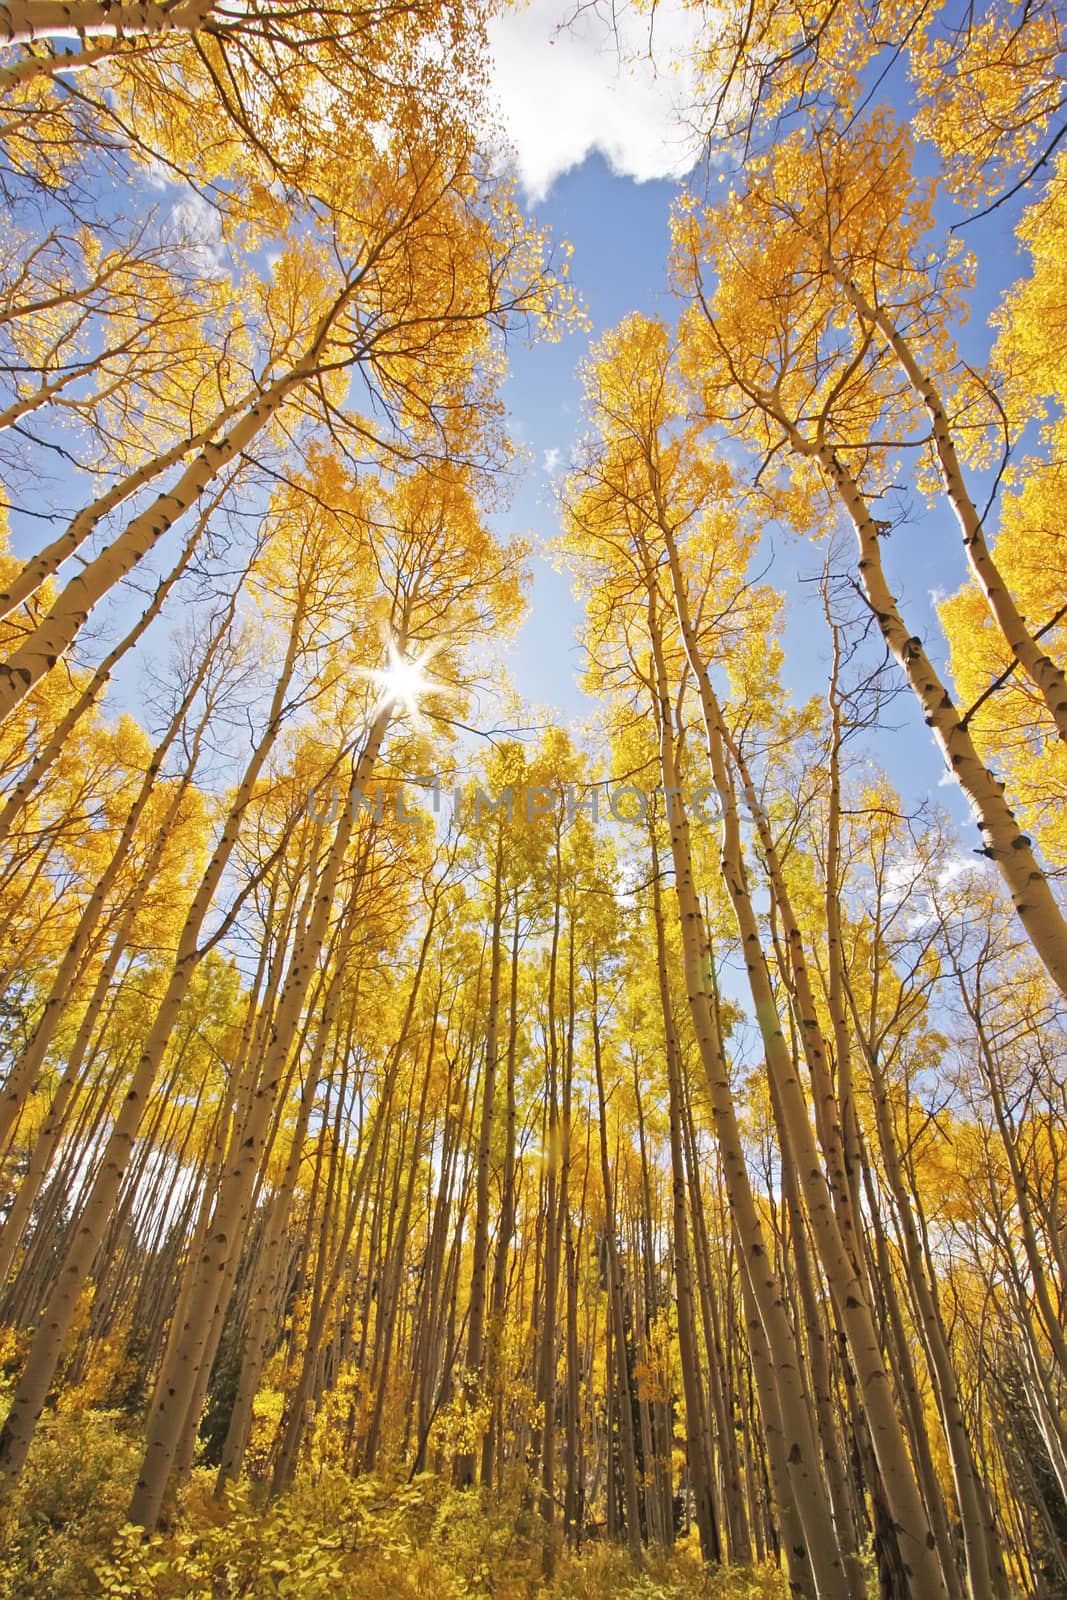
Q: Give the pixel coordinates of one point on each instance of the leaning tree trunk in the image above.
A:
(816, 1553)
(615, 1301)
(906, 1506)
(186, 1344)
(48, 1340)
(696, 1431)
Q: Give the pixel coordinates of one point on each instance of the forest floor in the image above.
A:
(332, 1537)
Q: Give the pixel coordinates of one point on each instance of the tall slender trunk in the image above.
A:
(986, 1574)
(185, 1346)
(1038, 665)
(723, 1394)
(615, 1298)
(464, 1468)
(50, 749)
(817, 1551)
(46, 563)
(906, 1506)
(699, 1461)
(547, 1343)
(505, 1225)
(53, 636)
(22, 1078)
(51, 1332)
(1005, 843)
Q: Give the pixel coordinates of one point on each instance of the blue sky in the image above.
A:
(599, 151)
(582, 131)
(619, 230)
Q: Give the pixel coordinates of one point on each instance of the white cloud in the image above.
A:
(911, 884)
(550, 461)
(197, 230)
(948, 780)
(564, 92)
(956, 866)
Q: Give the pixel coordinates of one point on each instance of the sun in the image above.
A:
(404, 681)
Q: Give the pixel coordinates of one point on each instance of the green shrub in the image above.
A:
(331, 1538)
(69, 1505)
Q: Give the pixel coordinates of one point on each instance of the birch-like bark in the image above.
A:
(48, 1340)
(835, 950)
(986, 1574)
(464, 1469)
(505, 1224)
(803, 1580)
(814, 1320)
(615, 1297)
(736, 1524)
(814, 1559)
(186, 1344)
(390, 1293)
(22, 1078)
(53, 746)
(1038, 665)
(572, 1419)
(829, 1119)
(696, 1431)
(1036, 1260)
(548, 1341)
(906, 1505)
(24, 21)
(38, 653)
(1005, 843)
(47, 562)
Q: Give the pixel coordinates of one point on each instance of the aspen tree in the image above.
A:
(819, 1547)
(47, 1345)
(39, 568)
(420, 569)
(51, 748)
(254, 1346)
(736, 1521)
(185, 1350)
(699, 1461)
(736, 370)
(359, 1178)
(465, 1463)
(1008, 722)
(551, 1217)
(579, 865)
(386, 309)
(389, 1296)
(429, 1353)
(256, 1339)
(169, 818)
(827, 207)
(495, 1371)
(849, 1293)
(618, 1347)
(22, 1077)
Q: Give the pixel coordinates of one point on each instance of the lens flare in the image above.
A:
(404, 682)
